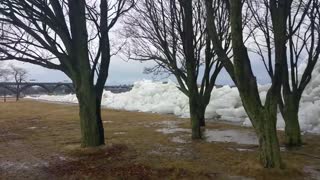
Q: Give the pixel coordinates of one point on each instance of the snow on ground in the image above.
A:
(225, 103)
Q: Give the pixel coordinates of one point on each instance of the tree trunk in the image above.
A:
(18, 93)
(292, 126)
(270, 156)
(201, 115)
(99, 119)
(90, 118)
(194, 115)
(202, 120)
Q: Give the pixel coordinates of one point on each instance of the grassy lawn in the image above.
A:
(42, 140)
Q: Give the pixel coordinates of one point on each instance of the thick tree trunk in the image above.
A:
(201, 117)
(194, 115)
(201, 108)
(264, 120)
(99, 119)
(292, 126)
(292, 129)
(90, 118)
(195, 123)
(269, 144)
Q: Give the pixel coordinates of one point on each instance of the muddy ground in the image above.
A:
(41, 140)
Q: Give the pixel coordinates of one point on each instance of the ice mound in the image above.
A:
(225, 103)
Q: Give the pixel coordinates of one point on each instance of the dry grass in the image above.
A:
(41, 140)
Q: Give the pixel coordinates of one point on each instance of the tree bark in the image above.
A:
(201, 109)
(81, 75)
(194, 115)
(99, 119)
(201, 116)
(292, 127)
(263, 117)
(264, 120)
(90, 118)
(270, 156)
(188, 48)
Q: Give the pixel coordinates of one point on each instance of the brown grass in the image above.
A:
(42, 140)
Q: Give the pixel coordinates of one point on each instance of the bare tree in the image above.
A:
(70, 36)
(174, 35)
(4, 76)
(19, 75)
(302, 46)
(262, 116)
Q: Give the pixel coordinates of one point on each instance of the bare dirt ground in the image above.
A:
(41, 140)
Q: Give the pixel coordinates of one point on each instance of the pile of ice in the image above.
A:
(225, 103)
(148, 96)
(309, 113)
(69, 98)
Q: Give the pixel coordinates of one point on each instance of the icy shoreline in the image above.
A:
(225, 103)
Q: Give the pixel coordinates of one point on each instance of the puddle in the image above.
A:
(8, 165)
(170, 127)
(172, 130)
(171, 124)
(283, 149)
(178, 139)
(61, 158)
(241, 149)
(233, 136)
(167, 124)
(312, 171)
(119, 133)
(107, 121)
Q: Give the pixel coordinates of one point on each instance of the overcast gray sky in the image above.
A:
(122, 72)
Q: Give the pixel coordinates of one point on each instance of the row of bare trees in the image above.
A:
(183, 37)
(190, 39)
